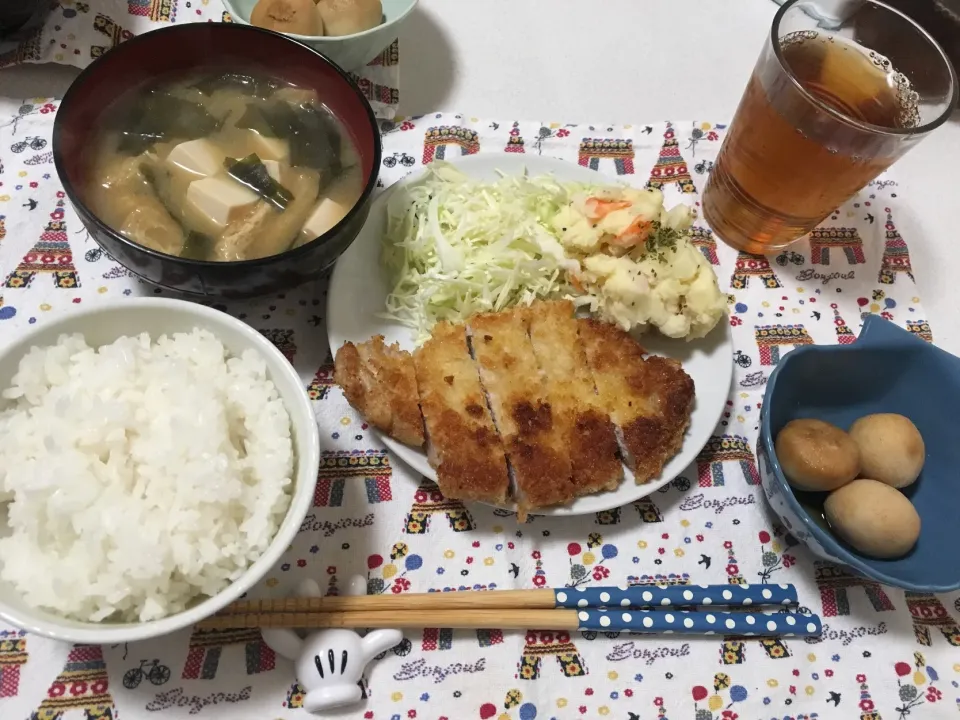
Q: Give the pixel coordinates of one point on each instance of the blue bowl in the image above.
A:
(887, 369)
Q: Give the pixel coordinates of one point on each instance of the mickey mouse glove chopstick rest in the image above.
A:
(330, 663)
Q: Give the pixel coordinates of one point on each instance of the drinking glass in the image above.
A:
(841, 90)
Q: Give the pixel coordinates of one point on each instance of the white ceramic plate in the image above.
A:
(359, 288)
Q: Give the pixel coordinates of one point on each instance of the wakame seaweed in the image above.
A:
(261, 119)
(253, 173)
(245, 84)
(310, 130)
(158, 116)
(196, 246)
(135, 143)
(316, 142)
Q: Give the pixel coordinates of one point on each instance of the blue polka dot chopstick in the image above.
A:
(642, 608)
(639, 596)
(661, 621)
(633, 596)
(699, 622)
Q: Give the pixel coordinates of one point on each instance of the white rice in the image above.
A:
(142, 474)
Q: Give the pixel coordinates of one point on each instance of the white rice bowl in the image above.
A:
(141, 474)
(102, 324)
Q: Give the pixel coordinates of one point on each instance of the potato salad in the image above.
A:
(637, 264)
(455, 245)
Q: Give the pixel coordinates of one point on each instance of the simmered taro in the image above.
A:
(224, 166)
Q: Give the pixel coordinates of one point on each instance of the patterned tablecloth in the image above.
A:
(884, 653)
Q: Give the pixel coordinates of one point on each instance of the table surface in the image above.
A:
(629, 62)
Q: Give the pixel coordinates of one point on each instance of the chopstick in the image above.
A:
(639, 608)
(675, 595)
(684, 622)
(636, 596)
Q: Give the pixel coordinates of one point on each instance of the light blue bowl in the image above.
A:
(350, 52)
(887, 369)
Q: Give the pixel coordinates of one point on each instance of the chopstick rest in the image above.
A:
(639, 596)
(330, 662)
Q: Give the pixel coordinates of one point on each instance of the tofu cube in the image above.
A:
(200, 157)
(328, 212)
(221, 198)
(273, 169)
(268, 148)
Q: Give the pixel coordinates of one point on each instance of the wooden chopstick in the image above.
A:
(466, 600)
(637, 596)
(618, 620)
(489, 618)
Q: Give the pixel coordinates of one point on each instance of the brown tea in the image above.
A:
(787, 162)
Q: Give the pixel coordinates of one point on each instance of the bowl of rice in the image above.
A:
(156, 459)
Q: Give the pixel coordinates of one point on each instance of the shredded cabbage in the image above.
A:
(456, 246)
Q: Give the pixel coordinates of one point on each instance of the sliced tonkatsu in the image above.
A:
(586, 426)
(530, 395)
(463, 444)
(533, 438)
(379, 380)
(649, 398)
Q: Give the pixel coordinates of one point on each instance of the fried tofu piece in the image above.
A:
(380, 382)
(586, 427)
(129, 203)
(649, 399)
(237, 237)
(532, 436)
(462, 442)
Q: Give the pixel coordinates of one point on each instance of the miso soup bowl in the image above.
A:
(351, 52)
(188, 48)
(886, 370)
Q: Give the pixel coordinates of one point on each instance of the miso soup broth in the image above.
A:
(222, 166)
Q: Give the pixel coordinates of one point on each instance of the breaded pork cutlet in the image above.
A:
(535, 443)
(649, 399)
(462, 442)
(586, 427)
(380, 382)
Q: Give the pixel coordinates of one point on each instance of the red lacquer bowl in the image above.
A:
(198, 46)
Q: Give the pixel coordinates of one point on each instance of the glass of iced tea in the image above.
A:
(841, 90)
